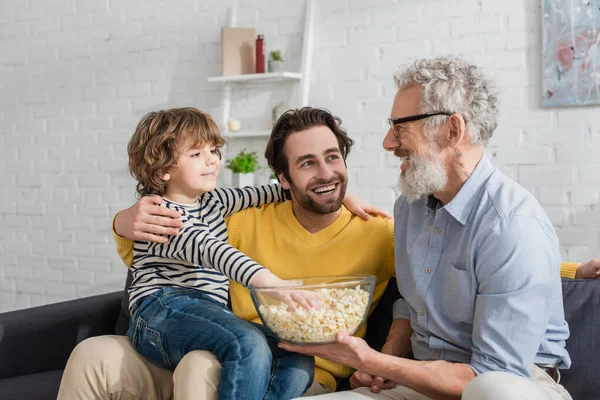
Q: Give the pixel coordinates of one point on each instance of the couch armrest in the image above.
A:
(39, 339)
(582, 301)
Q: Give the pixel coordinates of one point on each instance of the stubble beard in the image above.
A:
(307, 202)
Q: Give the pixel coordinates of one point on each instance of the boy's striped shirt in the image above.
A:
(199, 257)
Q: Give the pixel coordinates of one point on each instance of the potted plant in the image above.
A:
(275, 61)
(243, 166)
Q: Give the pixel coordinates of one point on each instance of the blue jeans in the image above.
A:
(171, 322)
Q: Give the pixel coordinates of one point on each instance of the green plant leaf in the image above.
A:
(275, 55)
(243, 162)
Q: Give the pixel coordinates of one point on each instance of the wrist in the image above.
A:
(114, 225)
(371, 362)
(264, 277)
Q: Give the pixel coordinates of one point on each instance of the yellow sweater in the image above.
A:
(349, 244)
(273, 237)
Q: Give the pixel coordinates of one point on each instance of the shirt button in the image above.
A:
(436, 354)
(427, 270)
(437, 231)
(421, 312)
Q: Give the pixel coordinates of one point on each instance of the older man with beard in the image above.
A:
(477, 259)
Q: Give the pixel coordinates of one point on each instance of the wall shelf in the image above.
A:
(262, 77)
(248, 134)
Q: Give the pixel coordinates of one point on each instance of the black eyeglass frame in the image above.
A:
(396, 121)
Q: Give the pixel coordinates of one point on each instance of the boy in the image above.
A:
(178, 298)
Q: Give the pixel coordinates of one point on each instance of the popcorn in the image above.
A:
(341, 310)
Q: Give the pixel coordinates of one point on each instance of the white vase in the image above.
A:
(276, 66)
(241, 180)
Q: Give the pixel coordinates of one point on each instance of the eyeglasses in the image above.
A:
(397, 121)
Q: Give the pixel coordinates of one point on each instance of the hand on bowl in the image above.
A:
(306, 298)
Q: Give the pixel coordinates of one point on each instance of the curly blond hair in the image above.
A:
(157, 143)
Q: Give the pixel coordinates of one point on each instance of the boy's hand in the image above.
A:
(589, 270)
(361, 208)
(146, 220)
(306, 298)
(290, 297)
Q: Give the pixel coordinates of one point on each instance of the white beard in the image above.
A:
(423, 177)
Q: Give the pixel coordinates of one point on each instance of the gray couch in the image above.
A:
(35, 343)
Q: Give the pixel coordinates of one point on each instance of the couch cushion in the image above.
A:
(582, 303)
(122, 323)
(42, 386)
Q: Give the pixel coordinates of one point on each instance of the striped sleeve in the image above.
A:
(196, 245)
(237, 199)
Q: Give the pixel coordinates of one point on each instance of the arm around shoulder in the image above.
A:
(145, 220)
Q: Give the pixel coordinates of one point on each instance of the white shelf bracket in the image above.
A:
(307, 52)
(226, 93)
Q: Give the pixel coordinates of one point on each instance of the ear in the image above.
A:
(456, 130)
(165, 177)
(284, 183)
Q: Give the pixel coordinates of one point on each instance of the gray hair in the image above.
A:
(452, 84)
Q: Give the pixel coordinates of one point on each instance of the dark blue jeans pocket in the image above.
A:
(148, 342)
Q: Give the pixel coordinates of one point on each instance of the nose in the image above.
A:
(324, 172)
(390, 143)
(212, 158)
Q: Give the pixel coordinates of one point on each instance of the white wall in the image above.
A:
(75, 78)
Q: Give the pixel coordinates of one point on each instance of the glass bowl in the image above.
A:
(345, 301)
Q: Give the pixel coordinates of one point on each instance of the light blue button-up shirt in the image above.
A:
(480, 277)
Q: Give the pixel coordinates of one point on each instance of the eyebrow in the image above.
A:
(311, 156)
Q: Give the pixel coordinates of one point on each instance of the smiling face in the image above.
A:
(195, 173)
(317, 171)
(421, 169)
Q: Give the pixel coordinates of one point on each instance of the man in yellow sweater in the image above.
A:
(310, 235)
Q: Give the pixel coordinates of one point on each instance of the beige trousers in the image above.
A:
(109, 368)
(488, 386)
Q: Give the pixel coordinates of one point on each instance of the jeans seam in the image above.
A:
(136, 333)
(142, 324)
(160, 344)
(272, 377)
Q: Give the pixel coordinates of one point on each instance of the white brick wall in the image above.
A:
(76, 77)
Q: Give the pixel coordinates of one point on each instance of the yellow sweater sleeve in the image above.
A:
(124, 245)
(391, 263)
(568, 269)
